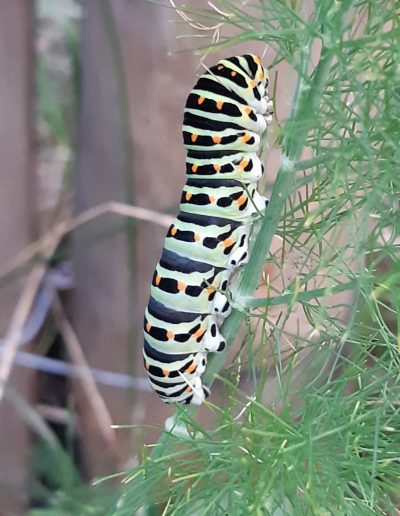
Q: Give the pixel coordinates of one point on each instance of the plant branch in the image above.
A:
(301, 296)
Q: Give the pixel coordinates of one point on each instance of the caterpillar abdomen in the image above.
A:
(225, 117)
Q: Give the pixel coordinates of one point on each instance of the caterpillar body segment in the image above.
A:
(225, 117)
(201, 334)
(194, 296)
(243, 166)
(212, 246)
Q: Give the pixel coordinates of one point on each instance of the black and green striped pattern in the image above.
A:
(225, 116)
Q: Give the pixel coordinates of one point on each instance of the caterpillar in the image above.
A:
(225, 116)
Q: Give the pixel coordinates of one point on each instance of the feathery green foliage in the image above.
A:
(329, 442)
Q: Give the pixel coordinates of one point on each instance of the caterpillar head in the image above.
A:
(246, 77)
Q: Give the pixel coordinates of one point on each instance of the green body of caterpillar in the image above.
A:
(225, 116)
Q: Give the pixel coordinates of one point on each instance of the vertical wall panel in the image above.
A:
(99, 302)
(16, 225)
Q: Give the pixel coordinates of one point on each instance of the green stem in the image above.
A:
(301, 297)
(293, 146)
(309, 163)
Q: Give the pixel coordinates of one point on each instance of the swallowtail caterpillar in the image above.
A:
(225, 117)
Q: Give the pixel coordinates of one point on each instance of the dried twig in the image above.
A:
(21, 314)
(91, 399)
(45, 247)
(61, 229)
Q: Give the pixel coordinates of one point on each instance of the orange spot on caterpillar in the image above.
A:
(246, 138)
(194, 137)
(220, 104)
(165, 372)
(256, 59)
(211, 198)
(228, 242)
(243, 164)
(200, 100)
(217, 167)
(197, 237)
(170, 335)
(220, 67)
(260, 75)
(148, 327)
(188, 389)
(211, 289)
(181, 286)
(252, 84)
(248, 110)
(191, 369)
(146, 365)
(174, 231)
(233, 73)
(216, 139)
(198, 333)
(194, 168)
(241, 200)
(188, 196)
(158, 279)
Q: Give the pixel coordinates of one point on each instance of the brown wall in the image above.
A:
(16, 228)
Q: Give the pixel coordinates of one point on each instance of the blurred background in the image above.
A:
(91, 103)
